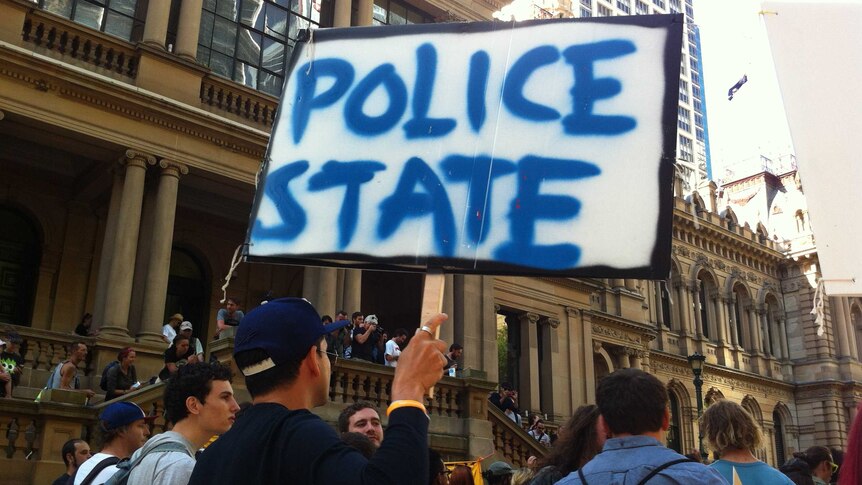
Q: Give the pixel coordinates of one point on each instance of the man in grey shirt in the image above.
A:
(199, 400)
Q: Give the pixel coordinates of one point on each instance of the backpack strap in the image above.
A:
(111, 460)
(659, 468)
(125, 468)
(581, 476)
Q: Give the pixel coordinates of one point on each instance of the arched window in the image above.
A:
(740, 315)
(188, 292)
(774, 331)
(674, 437)
(706, 304)
(856, 321)
(778, 428)
(800, 221)
(20, 251)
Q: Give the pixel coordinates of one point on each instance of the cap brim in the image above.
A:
(331, 327)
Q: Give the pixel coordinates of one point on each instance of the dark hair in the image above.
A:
(109, 435)
(814, 456)
(506, 386)
(632, 401)
(578, 442)
(69, 448)
(192, 380)
(400, 332)
(84, 319)
(124, 353)
(342, 312)
(356, 314)
(263, 382)
(435, 466)
(361, 442)
(462, 475)
(454, 347)
(326, 319)
(73, 347)
(234, 300)
(180, 337)
(349, 411)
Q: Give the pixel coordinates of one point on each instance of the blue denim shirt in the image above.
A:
(625, 461)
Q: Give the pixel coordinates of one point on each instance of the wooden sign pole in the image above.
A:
(432, 302)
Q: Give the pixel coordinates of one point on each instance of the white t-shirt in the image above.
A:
(169, 332)
(88, 466)
(394, 350)
(164, 468)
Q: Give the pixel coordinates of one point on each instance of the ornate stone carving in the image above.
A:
(616, 334)
(531, 318)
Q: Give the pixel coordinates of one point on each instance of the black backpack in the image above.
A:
(104, 382)
(645, 479)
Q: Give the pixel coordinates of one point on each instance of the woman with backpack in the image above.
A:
(120, 377)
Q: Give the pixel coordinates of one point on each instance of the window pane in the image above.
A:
(273, 55)
(270, 83)
(124, 6)
(221, 64)
(206, 34)
(245, 74)
(90, 15)
(276, 21)
(414, 18)
(118, 25)
(224, 36)
(296, 24)
(203, 55)
(379, 12)
(251, 13)
(59, 7)
(227, 9)
(248, 48)
(210, 5)
(397, 14)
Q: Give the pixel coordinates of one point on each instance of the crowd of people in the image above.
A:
(285, 351)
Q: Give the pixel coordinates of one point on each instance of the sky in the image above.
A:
(734, 43)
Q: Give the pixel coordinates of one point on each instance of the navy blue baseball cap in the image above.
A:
(120, 414)
(285, 328)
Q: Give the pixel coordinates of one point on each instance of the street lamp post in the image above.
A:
(696, 360)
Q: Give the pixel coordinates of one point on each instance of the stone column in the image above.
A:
(310, 288)
(729, 304)
(764, 327)
(156, 26)
(754, 323)
(188, 29)
(785, 348)
(342, 13)
(119, 289)
(839, 326)
(682, 309)
(447, 330)
(352, 290)
(528, 368)
(550, 349)
(580, 348)
(107, 253)
(630, 285)
(720, 318)
(328, 279)
(161, 241)
(851, 332)
(635, 358)
(698, 320)
(365, 12)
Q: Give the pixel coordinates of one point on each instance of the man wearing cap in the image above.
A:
(499, 473)
(169, 331)
(124, 427)
(281, 351)
(199, 401)
(194, 342)
(365, 337)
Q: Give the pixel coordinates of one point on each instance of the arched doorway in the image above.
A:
(674, 439)
(20, 252)
(778, 428)
(188, 292)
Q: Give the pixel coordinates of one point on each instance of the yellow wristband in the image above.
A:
(405, 403)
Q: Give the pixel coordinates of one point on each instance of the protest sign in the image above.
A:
(815, 46)
(540, 147)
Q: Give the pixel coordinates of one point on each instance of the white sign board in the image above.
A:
(815, 46)
(540, 147)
